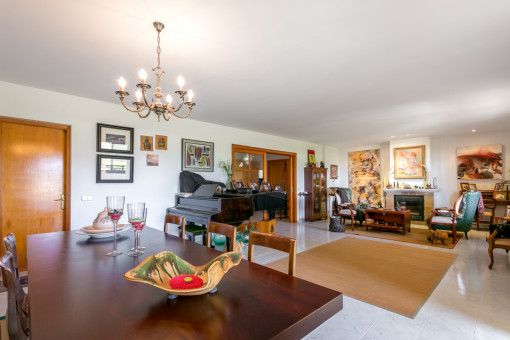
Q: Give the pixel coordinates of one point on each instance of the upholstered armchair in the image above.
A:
(460, 218)
(344, 210)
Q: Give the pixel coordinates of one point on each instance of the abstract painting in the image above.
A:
(365, 176)
(197, 155)
(480, 162)
(409, 162)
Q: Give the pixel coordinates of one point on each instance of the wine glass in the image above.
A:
(137, 214)
(115, 206)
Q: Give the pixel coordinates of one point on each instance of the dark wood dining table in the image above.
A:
(77, 292)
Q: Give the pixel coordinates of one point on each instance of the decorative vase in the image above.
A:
(228, 184)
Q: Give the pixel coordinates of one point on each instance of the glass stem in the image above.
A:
(137, 239)
(115, 235)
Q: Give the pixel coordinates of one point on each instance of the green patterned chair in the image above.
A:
(458, 219)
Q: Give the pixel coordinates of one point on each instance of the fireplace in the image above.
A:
(413, 203)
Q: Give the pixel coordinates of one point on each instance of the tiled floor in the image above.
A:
(471, 302)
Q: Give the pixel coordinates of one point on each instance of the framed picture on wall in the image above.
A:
(160, 142)
(472, 186)
(498, 187)
(464, 186)
(333, 171)
(146, 143)
(117, 139)
(409, 162)
(311, 158)
(114, 169)
(197, 155)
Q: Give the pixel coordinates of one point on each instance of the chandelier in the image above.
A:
(141, 103)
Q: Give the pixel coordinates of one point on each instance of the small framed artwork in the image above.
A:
(311, 158)
(499, 195)
(161, 142)
(253, 186)
(472, 186)
(507, 214)
(197, 155)
(117, 139)
(278, 188)
(409, 162)
(237, 184)
(114, 169)
(464, 186)
(498, 187)
(152, 160)
(146, 143)
(265, 186)
(333, 172)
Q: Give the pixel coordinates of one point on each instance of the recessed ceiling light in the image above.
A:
(473, 130)
(391, 137)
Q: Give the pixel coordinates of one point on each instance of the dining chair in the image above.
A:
(174, 219)
(277, 242)
(222, 229)
(10, 245)
(17, 301)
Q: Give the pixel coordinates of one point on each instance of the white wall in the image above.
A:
(156, 186)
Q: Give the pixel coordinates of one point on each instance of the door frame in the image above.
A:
(67, 159)
(293, 172)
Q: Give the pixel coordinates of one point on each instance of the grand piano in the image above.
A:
(206, 205)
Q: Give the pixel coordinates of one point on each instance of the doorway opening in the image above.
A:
(278, 168)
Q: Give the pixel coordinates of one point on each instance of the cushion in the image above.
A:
(441, 219)
(345, 212)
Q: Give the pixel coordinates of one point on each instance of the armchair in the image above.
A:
(344, 210)
(460, 218)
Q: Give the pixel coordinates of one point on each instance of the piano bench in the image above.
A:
(193, 230)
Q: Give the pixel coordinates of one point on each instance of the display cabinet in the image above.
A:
(316, 184)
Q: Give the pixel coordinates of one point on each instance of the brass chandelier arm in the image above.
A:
(140, 107)
(190, 105)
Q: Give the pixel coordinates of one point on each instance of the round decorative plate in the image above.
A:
(102, 233)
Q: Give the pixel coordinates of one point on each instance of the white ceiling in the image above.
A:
(338, 72)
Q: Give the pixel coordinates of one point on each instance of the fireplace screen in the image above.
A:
(413, 203)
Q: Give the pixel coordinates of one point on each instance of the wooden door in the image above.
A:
(34, 178)
(278, 173)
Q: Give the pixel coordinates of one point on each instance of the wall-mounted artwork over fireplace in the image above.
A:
(409, 162)
(365, 176)
(480, 162)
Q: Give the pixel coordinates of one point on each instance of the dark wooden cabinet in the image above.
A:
(316, 184)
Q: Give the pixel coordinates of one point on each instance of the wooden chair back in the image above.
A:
(179, 220)
(17, 321)
(10, 246)
(222, 229)
(282, 243)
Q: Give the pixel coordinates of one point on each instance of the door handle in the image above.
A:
(63, 200)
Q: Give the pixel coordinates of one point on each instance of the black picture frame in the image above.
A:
(114, 139)
(190, 161)
(115, 172)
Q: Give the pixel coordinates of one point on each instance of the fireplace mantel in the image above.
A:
(410, 190)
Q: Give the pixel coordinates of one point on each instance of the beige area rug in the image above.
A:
(418, 235)
(392, 276)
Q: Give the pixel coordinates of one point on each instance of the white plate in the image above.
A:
(103, 235)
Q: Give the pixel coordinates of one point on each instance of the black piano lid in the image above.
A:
(205, 190)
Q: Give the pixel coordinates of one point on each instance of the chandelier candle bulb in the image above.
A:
(190, 96)
(180, 81)
(168, 99)
(122, 83)
(138, 95)
(143, 75)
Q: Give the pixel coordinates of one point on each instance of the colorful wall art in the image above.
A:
(480, 162)
(409, 162)
(365, 176)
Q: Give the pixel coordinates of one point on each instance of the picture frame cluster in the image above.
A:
(114, 168)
